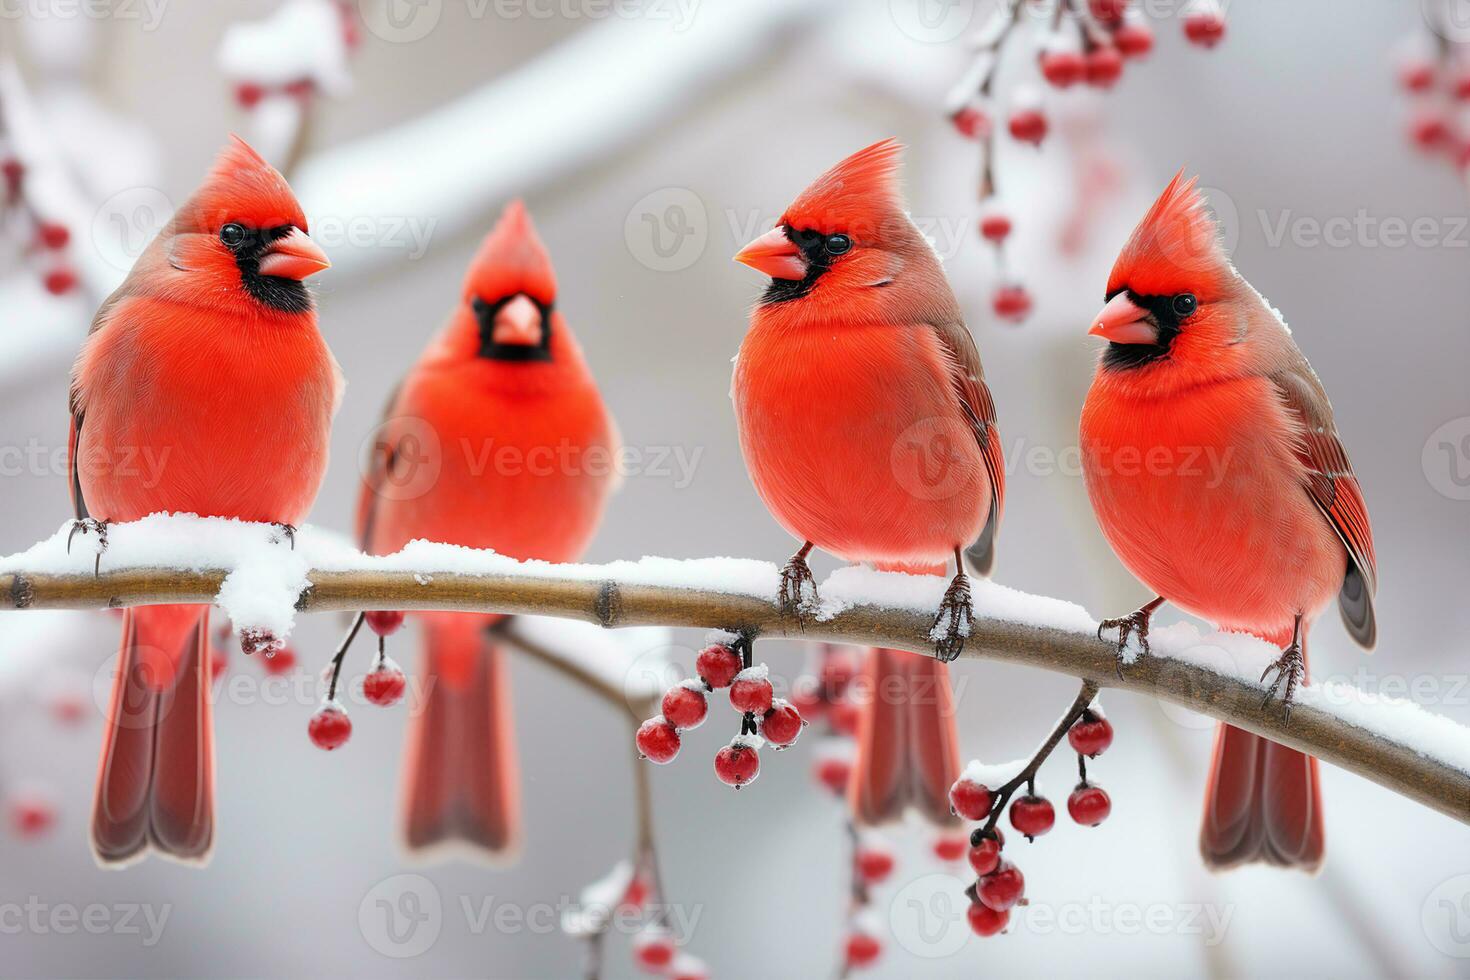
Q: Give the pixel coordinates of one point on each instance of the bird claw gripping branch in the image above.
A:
(798, 596)
(952, 623)
(1135, 623)
(87, 525)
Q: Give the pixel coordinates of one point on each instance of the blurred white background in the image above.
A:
(601, 121)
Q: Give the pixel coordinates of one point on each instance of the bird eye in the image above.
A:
(232, 234)
(837, 244)
(1185, 304)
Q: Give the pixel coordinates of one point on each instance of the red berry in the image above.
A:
(1460, 85)
(247, 94)
(60, 281)
(717, 665)
(31, 815)
(14, 171)
(686, 967)
(844, 717)
(1107, 11)
(874, 863)
(69, 708)
(751, 692)
(1090, 735)
(1062, 67)
(806, 699)
(653, 949)
(1028, 126)
(1002, 888)
(384, 622)
(862, 949)
(1429, 130)
(985, 856)
(1089, 805)
(833, 773)
(951, 847)
(637, 894)
(685, 706)
(384, 685)
(1206, 28)
(971, 122)
(995, 227)
(53, 235)
(737, 763)
(301, 87)
(969, 799)
(1134, 39)
(657, 740)
(1417, 74)
(781, 724)
(329, 728)
(1032, 815)
(985, 920)
(278, 662)
(838, 669)
(1011, 303)
(1104, 66)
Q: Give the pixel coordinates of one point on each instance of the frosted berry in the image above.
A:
(1206, 28)
(248, 94)
(1028, 126)
(971, 123)
(1107, 11)
(686, 967)
(752, 693)
(781, 724)
(1460, 84)
(32, 816)
(874, 863)
(53, 235)
(1104, 66)
(1429, 130)
(14, 172)
(986, 921)
(1002, 888)
(985, 856)
(637, 893)
(1417, 74)
(279, 662)
(951, 847)
(1032, 815)
(1090, 735)
(1062, 68)
(300, 87)
(844, 717)
(1011, 303)
(737, 763)
(995, 227)
(969, 799)
(329, 728)
(60, 281)
(653, 949)
(839, 667)
(685, 706)
(1089, 805)
(657, 740)
(1134, 39)
(384, 685)
(717, 665)
(833, 773)
(862, 949)
(806, 699)
(384, 622)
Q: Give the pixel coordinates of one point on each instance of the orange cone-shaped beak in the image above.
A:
(517, 322)
(1123, 321)
(775, 255)
(293, 257)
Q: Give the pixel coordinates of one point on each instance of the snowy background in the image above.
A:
(648, 149)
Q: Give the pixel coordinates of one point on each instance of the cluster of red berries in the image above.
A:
(764, 717)
(999, 884)
(1438, 85)
(654, 948)
(1088, 48)
(48, 239)
(249, 94)
(330, 727)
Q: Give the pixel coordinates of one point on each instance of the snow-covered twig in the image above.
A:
(183, 559)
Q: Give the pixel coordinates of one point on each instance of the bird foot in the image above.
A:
(87, 525)
(798, 595)
(1289, 667)
(288, 531)
(1136, 624)
(952, 623)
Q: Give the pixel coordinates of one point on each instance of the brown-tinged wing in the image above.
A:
(968, 378)
(1329, 479)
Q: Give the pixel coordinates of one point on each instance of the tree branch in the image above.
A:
(1381, 740)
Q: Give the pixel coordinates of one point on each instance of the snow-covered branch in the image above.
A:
(261, 581)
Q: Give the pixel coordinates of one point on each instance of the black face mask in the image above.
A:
(485, 313)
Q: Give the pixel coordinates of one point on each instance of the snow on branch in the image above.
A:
(261, 581)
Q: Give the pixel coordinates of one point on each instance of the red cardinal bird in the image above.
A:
(502, 407)
(1217, 475)
(870, 433)
(207, 359)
